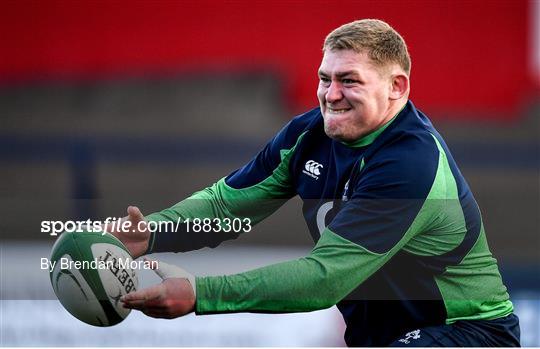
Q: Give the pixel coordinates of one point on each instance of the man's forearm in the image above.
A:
(333, 270)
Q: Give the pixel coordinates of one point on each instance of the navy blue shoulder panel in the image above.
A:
(389, 191)
(266, 161)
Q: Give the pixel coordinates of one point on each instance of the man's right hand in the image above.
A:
(137, 237)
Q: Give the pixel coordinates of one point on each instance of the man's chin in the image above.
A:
(334, 134)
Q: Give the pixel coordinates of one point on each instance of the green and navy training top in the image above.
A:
(399, 237)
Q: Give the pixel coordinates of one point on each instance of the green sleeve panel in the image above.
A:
(333, 269)
(222, 201)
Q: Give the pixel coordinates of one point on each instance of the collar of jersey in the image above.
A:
(370, 138)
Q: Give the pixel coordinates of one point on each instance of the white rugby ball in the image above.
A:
(91, 272)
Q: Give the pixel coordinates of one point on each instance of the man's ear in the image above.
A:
(399, 87)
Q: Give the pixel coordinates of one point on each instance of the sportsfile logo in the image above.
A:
(312, 169)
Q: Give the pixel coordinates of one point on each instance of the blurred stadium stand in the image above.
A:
(105, 104)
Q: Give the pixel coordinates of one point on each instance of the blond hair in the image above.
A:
(379, 40)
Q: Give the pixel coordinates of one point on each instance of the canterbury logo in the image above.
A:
(312, 169)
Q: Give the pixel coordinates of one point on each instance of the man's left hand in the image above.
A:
(172, 298)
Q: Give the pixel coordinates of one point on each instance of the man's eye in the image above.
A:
(349, 81)
(324, 80)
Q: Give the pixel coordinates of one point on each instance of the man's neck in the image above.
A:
(394, 108)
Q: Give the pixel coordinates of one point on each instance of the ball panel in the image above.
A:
(118, 279)
(83, 242)
(76, 295)
(65, 244)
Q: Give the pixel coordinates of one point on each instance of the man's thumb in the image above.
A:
(135, 214)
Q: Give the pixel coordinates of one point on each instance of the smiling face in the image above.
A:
(355, 97)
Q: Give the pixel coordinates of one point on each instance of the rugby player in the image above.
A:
(400, 247)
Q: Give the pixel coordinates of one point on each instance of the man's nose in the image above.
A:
(334, 92)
